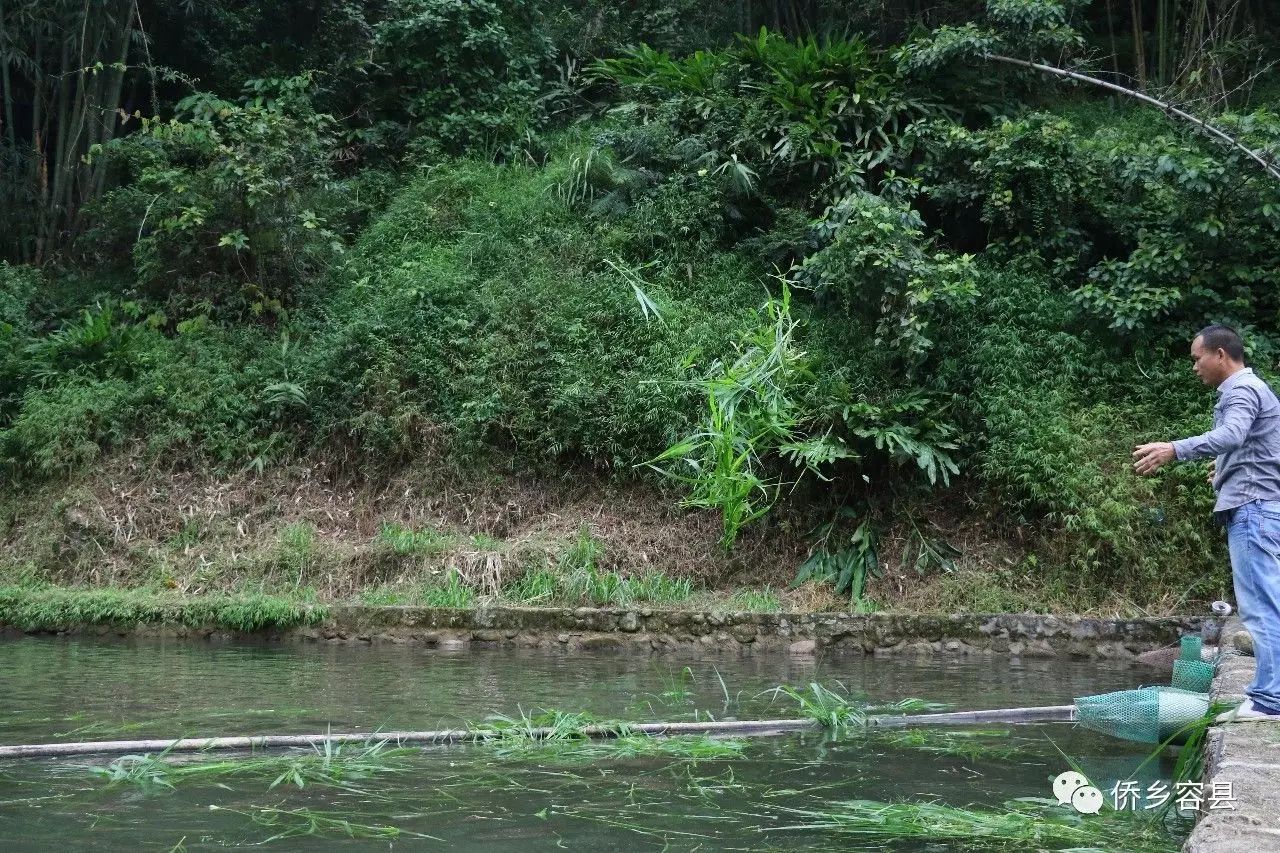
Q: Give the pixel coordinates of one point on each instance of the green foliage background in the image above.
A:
(573, 248)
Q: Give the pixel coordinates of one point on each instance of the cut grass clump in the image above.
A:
(836, 711)
(303, 822)
(330, 763)
(973, 744)
(839, 710)
(544, 726)
(63, 608)
(1030, 823)
(682, 747)
(563, 736)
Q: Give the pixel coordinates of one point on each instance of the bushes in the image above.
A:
(1157, 232)
(221, 214)
(17, 288)
(1060, 411)
(989, 300)
(482, 304)
(105, 380)
(796, 111)
(464, 73)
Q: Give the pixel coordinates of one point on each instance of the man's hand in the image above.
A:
(1213, 470)
(1147, 458)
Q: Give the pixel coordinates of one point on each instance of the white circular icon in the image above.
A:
(1087, 800)
(1066, 784)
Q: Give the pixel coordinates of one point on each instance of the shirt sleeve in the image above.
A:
(1240, 409)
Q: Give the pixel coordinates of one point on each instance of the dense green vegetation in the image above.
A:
(831, 264)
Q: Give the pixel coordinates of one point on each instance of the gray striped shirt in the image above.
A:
(1245, 439)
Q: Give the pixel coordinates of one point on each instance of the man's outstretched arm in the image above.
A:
(1240, 410)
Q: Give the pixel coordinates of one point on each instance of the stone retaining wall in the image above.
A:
(645, 629)
(1245, 756)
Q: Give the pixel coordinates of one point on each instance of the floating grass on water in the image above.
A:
(972, 744)
(294, 823)
(838, 709)
(328, 763)
(676, 689)
(1025, 823)
(562, 736)
(685, 747)
(545, 726)
(835, 710)
(909, 706)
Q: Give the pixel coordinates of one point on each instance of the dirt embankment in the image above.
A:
(340, 533)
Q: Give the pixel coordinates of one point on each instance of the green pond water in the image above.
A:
(476, 797)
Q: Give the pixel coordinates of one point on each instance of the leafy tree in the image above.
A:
(464, 73)
(224, 198)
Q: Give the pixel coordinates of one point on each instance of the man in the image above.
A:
(1245, 440)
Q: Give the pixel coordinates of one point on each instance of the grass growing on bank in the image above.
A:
(61, 608)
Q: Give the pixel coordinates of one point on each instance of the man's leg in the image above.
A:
(1254, 540)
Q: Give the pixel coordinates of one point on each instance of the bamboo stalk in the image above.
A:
(757, 728)
(1111, 34)
(96, 175)
(1139, 53)
(1164, 106)
(5, 81)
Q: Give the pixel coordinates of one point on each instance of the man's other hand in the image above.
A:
(1147, 458)
(1213, 471)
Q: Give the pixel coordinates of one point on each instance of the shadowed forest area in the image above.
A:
(792, 304)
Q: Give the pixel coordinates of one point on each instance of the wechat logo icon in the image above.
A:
(1072, 789)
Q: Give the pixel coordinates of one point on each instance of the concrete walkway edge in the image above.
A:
(1242, 762)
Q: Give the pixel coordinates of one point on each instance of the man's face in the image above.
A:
(1210, 365)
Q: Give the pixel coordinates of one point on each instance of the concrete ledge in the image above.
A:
(648, 629)
(1245, 756)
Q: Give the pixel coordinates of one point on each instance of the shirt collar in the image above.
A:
(1234, 379)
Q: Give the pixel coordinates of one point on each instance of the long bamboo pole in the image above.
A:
(757, 728)
(1170, 109)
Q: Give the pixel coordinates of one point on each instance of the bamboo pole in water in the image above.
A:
(1055, 713)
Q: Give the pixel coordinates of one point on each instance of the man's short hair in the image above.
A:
(1218, 337)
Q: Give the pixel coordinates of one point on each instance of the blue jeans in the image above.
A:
(1253, 536)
